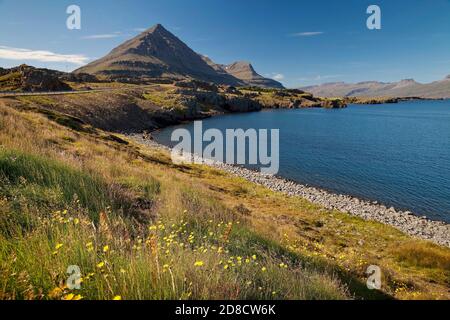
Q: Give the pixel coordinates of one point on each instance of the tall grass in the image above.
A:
(38, 178)
(196, 252)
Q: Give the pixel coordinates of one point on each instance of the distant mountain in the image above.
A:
(404, 88)
(157, 53)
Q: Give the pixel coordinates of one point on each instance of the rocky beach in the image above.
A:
(405, 221)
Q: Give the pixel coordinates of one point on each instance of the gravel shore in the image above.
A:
(405, 221)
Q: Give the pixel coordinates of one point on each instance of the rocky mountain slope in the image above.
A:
(26, 78)
(29, 79)
(138, 108)
(157, 53)
(405, 88)
(244, 71)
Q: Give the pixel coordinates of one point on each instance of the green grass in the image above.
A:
(41, 178)
(194, 254)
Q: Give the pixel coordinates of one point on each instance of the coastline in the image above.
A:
(405, 221)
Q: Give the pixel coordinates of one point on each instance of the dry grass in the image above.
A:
(423, 256)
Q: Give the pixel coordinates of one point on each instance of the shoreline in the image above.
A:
(405, 221)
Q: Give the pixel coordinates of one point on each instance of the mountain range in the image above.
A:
(403, 89)
(157, 53)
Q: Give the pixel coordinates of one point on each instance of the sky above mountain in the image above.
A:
(296, 42)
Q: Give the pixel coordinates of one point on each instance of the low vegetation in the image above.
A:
(290, 98)
(10, 81)
(140, 227)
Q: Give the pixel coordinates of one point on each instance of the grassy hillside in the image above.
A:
(126, 107)
(140, 227)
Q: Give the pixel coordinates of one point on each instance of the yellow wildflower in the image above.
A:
(72, 297)
(55, 293)
(105, 249)
(100, 265)
(199, 264)
(68, 296)
(117, 298)
(58, 246)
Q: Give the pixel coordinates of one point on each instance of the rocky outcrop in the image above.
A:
(29, 79)
(78, 77)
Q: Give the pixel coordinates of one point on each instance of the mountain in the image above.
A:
(157, 53)
(404, 88)
(244, 71)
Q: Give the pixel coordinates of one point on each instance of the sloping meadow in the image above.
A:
(84, 208)
(133, 230)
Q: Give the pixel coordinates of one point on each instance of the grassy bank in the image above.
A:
(140, 227)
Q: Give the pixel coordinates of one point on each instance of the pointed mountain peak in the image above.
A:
(241, 65)
(157, 28)
(157, 53)
(244, 70)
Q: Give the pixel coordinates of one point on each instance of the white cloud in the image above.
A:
(41, 55)
(102, 36)
(139, 29)
(278, 76)
(307, 34)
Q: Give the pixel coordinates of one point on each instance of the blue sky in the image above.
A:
(298, 42)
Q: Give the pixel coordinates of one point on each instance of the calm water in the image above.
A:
(397, 154)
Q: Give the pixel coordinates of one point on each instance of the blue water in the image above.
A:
(396, 154)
